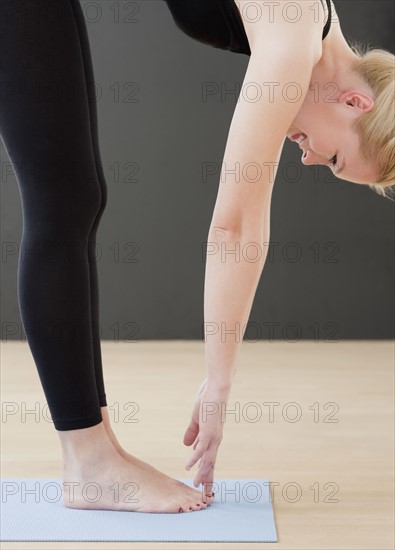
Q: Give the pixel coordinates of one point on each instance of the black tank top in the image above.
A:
(218, 23)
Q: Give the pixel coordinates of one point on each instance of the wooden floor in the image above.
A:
(349, 461)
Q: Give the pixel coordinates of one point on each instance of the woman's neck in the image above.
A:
(337, 58)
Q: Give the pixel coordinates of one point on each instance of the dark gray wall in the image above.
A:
(154, 144)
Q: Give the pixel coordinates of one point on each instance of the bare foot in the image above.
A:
(207, 497)
(96, 476)
(109, 482)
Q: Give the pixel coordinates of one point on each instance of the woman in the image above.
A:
(342, 118)
(63, 210)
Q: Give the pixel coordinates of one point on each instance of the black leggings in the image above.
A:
(48, 124)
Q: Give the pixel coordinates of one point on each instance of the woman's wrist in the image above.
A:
(218, 388)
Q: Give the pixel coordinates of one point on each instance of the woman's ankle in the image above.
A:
(86, 447)
(109, 430)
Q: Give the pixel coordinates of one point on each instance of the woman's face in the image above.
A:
(327, 126)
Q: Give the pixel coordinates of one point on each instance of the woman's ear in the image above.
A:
(362, 103)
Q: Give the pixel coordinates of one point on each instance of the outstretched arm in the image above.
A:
(239, 233)
(273, 90)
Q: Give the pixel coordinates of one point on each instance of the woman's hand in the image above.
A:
(205, 431)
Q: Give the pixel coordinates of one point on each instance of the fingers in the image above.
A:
(207, 464)
(209, 482)
(193, 429)
(198, 453)
(208, 486)
(191, 432)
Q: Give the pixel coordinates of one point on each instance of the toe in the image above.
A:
(208, 498)
(190, 506)
(200, 505)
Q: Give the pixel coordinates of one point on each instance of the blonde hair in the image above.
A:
(376, 128)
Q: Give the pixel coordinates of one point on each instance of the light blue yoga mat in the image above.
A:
(32, 510)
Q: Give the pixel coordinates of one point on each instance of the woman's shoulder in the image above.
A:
(281, 21)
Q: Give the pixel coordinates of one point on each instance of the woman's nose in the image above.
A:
(310, 157)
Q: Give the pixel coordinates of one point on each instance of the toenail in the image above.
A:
(180, 509)
(197, 504)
